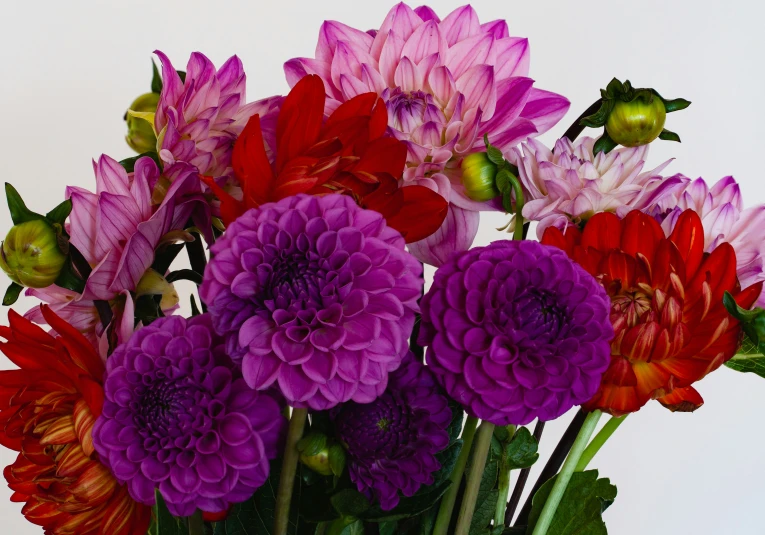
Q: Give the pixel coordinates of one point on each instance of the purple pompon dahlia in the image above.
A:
(315, 294)
(392, 442)
(516, 331)
(178, 417)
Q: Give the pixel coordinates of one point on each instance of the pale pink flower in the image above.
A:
(446, 83)
(725, 220)
(198, 120)
(569, 184)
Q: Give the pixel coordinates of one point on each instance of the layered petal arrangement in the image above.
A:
(446, 83)
(314, 294)
(724, 218)
(348, 153)
(516, 331)
(392, 442)
(568, 185)
(47, 410)
(671, 327)
(199, 118)
(178, 417)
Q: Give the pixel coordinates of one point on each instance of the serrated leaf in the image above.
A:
(447, 458)
(604, 144)
(60, 212)
(12, 294)
(675, 104)
(502, 181)
(156, 79)
(495, 156)
(19, 211)
(580, 510)
(666, 135)
(522, 450)
(484, 512)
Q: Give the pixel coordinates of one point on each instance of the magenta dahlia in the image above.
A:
(446, 84)
(516, 331)
(314, 294)
(178, 417)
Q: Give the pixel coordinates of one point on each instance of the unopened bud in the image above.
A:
(31, 255)
(478, 177)
(139, 118)
(637, 122)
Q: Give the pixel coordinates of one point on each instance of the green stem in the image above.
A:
(447, 502)
(561, 482)
(482, 444)
(504, 484)
(289, 468)
(518, 190)
(594, 446)
(196, 523)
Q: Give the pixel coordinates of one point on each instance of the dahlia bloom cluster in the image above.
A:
(307, 220)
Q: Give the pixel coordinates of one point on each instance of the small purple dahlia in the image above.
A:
(315, 294)
(178, 417)
(392, 442)
(516, 331)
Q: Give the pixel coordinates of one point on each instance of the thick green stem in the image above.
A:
(518, 190)
(289, 468)
(561, 482)
(594, 446)
(196, 523)
(482, 444)
(504, 485)
(447, 502)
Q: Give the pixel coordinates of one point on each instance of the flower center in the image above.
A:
(537, 313)
(632, 305)
(409, 109)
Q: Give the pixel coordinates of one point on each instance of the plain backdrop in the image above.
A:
(70, 69)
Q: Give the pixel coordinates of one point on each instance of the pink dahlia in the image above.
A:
(725, 220)
(198, 120)
(446, 84)
(569, 184)
(117, 230)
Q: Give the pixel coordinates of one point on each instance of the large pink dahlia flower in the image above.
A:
(446, 84)
(198, 120)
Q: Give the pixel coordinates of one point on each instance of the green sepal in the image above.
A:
(604, 144)
(752, 321)
(156, 79)
(19, 211)
(12, 294)
(312, 444)
(60, 212)
(675, 104)
(666, 135)
(337, 459)
(493, 153)
(128, 164)
(599, 118)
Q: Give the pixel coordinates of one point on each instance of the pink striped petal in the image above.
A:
(425, 40)
(172, 87)
(460, 24)
(512, 95)
(477, 84)
(82, 222)
(455, 234)
(390, 56)
(117, 217)
(545, 109)
(498, 28)
(513, 57)
(111, 176)
(442, 84)
(476, 50)
(407, 77)
(400, 20)
(426, 13)
(331, 32)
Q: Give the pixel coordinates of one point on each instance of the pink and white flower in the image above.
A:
(569, 184)
(725, 220)
(198, 120)
(446, 84)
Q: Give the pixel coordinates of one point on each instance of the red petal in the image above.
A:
(688, 235)
(682, 400)
(384, 155)
(230, 208)
(300, 119)
(603, 232)
(747, 297)
(251, 166)
(640, 234)
(82, 352)
(415, 211)
(563, 240)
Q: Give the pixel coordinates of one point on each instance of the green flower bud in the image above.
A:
(140, 123)
(319, 462)
(478, 177)
(30, 254)
(637, 122)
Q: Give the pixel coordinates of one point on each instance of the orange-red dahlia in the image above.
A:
(671, 328)
(348, 153)
(47, 411)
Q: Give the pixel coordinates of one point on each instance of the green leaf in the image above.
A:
(495, 156)
(337, 459)
(604, 144)
(580, 510)
(165, 523)
(60, 212)
(599, 118)
(675, 104)
(666, 135)
(19, 211)
(388, 528)
(484, 512)
(408, 507)
(447, 458)
(12, 294)
(752, 321)
(156, 79)
(129, 163)
(749, 359)
(522, 450)
(502, 181)
(312, 444)
(350, 502)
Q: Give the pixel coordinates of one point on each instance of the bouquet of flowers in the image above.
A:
(316, 387)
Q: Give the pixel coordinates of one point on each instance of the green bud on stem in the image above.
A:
(637, 122)
(30, 254)
(479, 177)
(139, 118)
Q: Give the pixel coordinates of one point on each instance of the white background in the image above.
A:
(70, 69)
